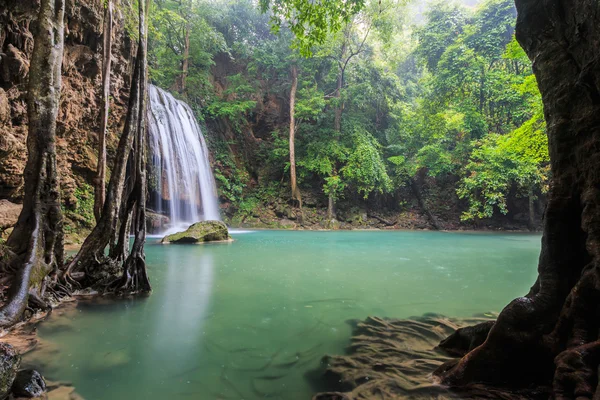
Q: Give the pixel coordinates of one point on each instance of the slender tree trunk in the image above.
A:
(337, 127)
(185, 62)
(37, 238)
(549, 338)
(531, 203)
(100, 189)
(295, 190)
(337, 122)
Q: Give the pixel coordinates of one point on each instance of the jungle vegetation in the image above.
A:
(384, 93)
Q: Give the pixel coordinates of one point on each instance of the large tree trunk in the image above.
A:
(550, 336)
(135, 277)
(100, 184)
(295, 190)
(91, 255)
(37, 238)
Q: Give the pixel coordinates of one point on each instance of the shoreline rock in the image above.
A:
(200, 232)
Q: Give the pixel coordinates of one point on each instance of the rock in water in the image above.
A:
(9, 365)
(200, 232)
(29, 383)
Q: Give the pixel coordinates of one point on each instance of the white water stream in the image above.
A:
(185, 190)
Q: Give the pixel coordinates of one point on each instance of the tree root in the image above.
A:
(394, 359)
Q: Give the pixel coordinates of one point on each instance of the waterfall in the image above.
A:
(181, 184)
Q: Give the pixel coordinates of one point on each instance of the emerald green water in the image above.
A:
(247, 320)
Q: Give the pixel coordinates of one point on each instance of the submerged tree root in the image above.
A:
(394, 359)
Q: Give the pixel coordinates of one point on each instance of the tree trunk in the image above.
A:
(531, 204)
(100, 184)
(337, 126)
(337, 122)
(91, 254)
(37, 238)
(135, 277)
(185, 62)
(330, 208)
(295, 191)
(550, 337)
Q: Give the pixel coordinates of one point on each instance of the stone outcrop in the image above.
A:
(10, 361)
(200, 232)
(9, 213)
(29, 384)
(78, 118)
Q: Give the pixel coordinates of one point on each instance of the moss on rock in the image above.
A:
(200, 232)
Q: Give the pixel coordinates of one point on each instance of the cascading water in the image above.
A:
(182, 184)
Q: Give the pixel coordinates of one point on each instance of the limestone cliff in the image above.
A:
(79, 114)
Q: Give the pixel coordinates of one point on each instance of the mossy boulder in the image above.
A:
(200, 232)
(9, 365)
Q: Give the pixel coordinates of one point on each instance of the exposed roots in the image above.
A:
(394, 359)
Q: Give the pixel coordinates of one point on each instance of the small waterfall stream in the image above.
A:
(181, 180)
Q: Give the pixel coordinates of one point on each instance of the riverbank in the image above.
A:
(23, 338)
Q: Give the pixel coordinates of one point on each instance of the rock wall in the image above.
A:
(79, 114)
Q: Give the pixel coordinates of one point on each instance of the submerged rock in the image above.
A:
(9, 365)
(200, 232)
(29, 383)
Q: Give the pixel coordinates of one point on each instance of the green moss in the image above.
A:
(205, 231)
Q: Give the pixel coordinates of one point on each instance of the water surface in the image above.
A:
(246, 320)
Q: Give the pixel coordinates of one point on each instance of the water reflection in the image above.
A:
(185, 302)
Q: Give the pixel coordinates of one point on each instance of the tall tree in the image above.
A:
(135, 277)
(295, 190)
(37, 238)
(100, 184)
(90, 264)
(552, 332)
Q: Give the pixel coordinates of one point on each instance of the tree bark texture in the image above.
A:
(113, 222)
(135, 276)
(100, 187)
(550, 337)
(37, 238)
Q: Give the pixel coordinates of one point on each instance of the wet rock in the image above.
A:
(9, 213)
(155, 221)
(205, 231)
(29, 383)
(9, 365)
(287, 224)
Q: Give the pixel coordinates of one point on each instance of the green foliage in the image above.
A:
(365, 168)
(311, 21)
(445, 22)
(81, 212)
(452, 98)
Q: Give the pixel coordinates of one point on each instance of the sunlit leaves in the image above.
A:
(311, 20)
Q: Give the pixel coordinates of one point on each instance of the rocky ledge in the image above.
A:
(201, 232)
